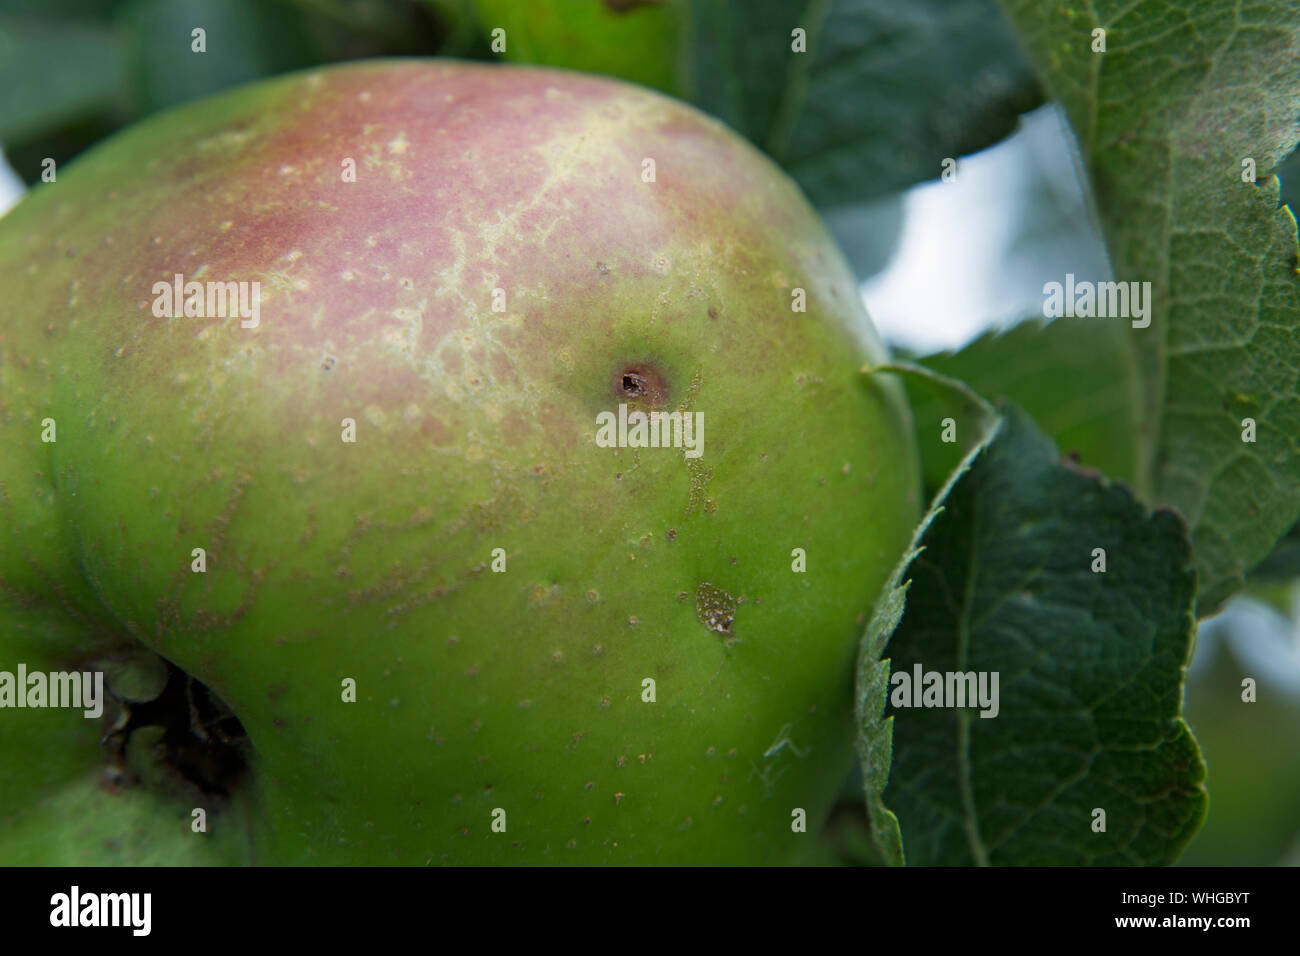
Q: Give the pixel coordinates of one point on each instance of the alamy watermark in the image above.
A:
(1102, 300)
(651, 430)
(198, 300)
(77, 689)
(133, 911)
(953, 689)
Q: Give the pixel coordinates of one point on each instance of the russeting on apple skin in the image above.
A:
(560, 652)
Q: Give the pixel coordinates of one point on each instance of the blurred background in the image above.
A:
(942, 260)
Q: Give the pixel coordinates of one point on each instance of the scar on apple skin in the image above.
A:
(715, 608)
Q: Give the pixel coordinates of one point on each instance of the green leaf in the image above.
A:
(1090, 670)
(867, 232)
(1076, 377)
(245, 40)
(875, 730)
(1252, 748)
(1282, 563)
(950, 421)
(51, 73)
(1289, 176)
(1165, 117)
(462, 34)
(63, 9)
(885, 92)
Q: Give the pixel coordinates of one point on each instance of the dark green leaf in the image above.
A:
(461, 33)
(1090, 668)
(875, 729)
(885, 92)
(245, 40)
(1289, 176)
(52, 73)
(1282, 563)
(102, 10)
(867, 231)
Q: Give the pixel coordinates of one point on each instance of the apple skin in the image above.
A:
(67, 800)
(371, 560)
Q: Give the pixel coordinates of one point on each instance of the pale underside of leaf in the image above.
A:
(1185, 98)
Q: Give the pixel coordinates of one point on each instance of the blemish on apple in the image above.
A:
(715, 608)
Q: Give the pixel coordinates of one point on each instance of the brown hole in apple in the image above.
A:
(641, 384)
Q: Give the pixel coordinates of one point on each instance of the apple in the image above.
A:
(636, 40)
(366, 577)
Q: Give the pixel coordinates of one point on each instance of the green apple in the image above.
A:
(82, 792)
(632, 39)
(373, 516)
